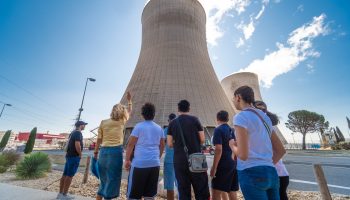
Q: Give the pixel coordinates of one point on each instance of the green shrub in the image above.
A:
(7, 159)
(4, 165)
(11, 156)
(31, 141)
(3, 169)
(5, 139)
(33, 166)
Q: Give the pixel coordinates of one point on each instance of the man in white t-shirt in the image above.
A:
(148, 140)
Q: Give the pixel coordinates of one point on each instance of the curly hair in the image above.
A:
(183, 106)
(119, 112)
(222, 116)
(148, 111)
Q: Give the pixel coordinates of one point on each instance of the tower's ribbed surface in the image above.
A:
(174, 64)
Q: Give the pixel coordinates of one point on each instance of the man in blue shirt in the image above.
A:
(223, 171)
(169, 173)
(148, 140)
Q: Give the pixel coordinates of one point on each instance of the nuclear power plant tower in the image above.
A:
(174, 64)
(234, 81)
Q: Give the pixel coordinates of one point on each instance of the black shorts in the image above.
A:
(226, 179)
(186, 179)
(142, 182)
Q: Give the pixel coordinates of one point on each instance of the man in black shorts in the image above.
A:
(194, 137)
(223, 171)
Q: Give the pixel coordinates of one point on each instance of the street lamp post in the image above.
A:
(82, 101)
(5, 104)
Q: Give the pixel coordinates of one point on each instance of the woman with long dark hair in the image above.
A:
(257, 148)
(280, 167)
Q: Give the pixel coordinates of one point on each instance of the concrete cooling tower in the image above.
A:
(174, 64)
(234, 81)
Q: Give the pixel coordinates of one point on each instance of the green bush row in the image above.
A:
(29, 145)
(33, 166)
(7, 159)
(342, 146)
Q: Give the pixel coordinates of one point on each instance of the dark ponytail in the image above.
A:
(273, 117)
(262, 106)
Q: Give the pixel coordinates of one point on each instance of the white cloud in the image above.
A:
(240, 43)
(249, 28)
(311, 68)
(290, 55)
(300, 8)
(215, 57)
(260, 12)
(216, 10)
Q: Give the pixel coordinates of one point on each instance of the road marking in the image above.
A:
(314, 183)
(323, 165)
(313, 156)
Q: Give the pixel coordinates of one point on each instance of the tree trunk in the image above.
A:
(304, 144)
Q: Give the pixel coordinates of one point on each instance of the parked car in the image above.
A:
(208, 148)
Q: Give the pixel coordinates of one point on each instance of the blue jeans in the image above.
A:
(259, 183)
(169, 176)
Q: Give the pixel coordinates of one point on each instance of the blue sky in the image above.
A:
(48, 49)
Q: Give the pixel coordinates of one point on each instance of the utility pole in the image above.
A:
(3, 108)
(82, 101)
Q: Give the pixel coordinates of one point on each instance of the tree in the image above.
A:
(31, 141)
(5, 139)
(340, 134)
(337, 139)
(323, 130)
(303, 121)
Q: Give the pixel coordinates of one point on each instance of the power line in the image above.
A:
(27, 104)
(14, 120)
(38, 117)
(30, 93)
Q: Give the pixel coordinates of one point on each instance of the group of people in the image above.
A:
(247, 156)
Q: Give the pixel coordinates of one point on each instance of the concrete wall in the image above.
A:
(234, 81)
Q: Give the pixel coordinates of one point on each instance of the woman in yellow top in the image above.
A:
(110, 160)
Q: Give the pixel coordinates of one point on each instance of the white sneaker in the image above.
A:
(67, 197)
(59, 196)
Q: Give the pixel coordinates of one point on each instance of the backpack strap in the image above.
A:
(182, 136)
(262, 120)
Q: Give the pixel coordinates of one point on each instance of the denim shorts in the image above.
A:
(169, 176)
(71, 166)
(260, 182)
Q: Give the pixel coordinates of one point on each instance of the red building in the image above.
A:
(24, 136)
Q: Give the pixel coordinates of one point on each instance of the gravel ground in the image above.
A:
(51, 183)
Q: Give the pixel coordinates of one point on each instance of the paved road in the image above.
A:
(336, 168)
(20, 193)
